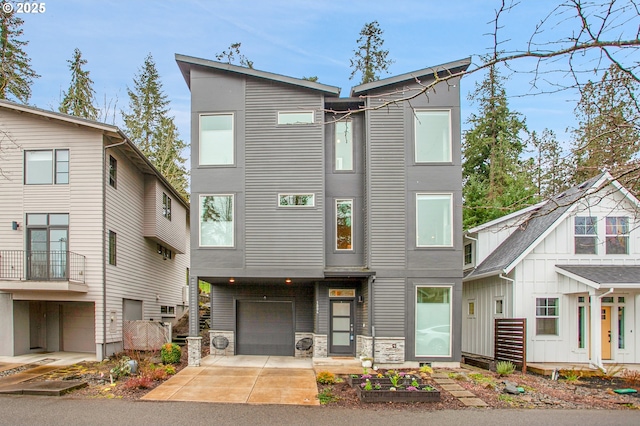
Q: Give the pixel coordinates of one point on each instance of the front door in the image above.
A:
(341, 330)
(605, 327)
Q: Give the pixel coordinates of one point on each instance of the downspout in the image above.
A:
(372, 279)
(598, 359)
(511, 280)
(104, 247)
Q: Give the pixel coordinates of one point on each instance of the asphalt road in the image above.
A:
(37, 410)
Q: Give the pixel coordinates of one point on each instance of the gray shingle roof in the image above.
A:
(605, 274)
(531, 229)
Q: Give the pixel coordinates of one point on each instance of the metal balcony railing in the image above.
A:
(35, 265)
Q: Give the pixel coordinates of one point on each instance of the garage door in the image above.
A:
(264, 328)
(78, 327)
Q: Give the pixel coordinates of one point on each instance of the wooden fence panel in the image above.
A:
(511, 341)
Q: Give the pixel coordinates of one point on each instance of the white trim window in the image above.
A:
(216, 220)
(499, 306)
(434, 220)
(468, 254)
(617, 235)
(433, 321)
(471, 308)
(343, 146)
(344, 224)
(432, 136)
(296, 200)
(46, 167)
(547, 316)
(586, 235)
(217, 140)
(289, 118)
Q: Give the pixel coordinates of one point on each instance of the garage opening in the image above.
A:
(264, 328)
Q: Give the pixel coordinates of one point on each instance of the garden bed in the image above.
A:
(398, 395)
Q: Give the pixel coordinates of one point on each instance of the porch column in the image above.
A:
(594, 336)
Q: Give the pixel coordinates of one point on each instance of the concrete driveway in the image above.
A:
(242, 379)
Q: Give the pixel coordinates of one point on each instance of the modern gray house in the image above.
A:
(342, 229)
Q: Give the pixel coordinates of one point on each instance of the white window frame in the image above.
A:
(547, 316)
(416, 120)
(626, 235)
(451, 218)
(471, 313)
(495, 306)
(576, 235)
(415, 319)
(283, 114)
(233, 220)
(290, 194)
(464, 254)
(233, 139)
(337, 165)
(338, 202)
(55, 164)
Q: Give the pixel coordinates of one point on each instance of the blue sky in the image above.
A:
(291, 37)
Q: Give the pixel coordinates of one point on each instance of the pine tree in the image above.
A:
(234, 56)
(551, 169)
(150, 127)
(608, 133)
(79, 100)
(16, 74)
(496, 181)
(369, 58)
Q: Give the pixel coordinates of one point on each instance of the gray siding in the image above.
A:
(389, 307)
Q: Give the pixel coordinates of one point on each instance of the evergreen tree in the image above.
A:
(16, 74)
(79, 100)
(496, 181)
(550, 168)
(234, 56)
(608, 136)
(369, 58)
(150, 127)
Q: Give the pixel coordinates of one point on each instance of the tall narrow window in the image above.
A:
(433, 321)
(468, 254)
(166, 206)
(113, 171)
(547, 316)
(582, 325)
(617, 235)
(620, 327)
(62, 166)
(216, 221)
(112, 248)
(433, 136)
(434, 217)
(48, 245)
(216, 140)
(343, 146)
(344, 229)
(585, 235)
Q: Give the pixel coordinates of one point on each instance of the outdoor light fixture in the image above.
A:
(232, 280)
(14, 225)
(287, 281)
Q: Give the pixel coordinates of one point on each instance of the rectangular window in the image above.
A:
(168, 310)
(499, 307)
(433, 321)
(344, 228)
(216, 221)
(433, 136)
(166, 206)
(471, 308)
(113, 171)
(62, 166)
(40, 168)
(343, 146)
(112, 248)
(164, 252)
(586, 235)
(47, 245)
(547, 316)
(468, 254)
(582, 324)
(620, 327)
(617, 235)
(295, 117)
(296, 200)
(216, 140)
(434, 217)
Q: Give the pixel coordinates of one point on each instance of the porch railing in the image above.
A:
(37, 265)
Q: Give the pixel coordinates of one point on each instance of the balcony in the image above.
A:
(42, 270)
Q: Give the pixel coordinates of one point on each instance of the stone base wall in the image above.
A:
(307, 353)
(364, 346)
(194, 346)
(320, 349)
(230, 335)
(389, 350)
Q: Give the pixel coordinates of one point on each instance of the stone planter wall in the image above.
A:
(320, 346)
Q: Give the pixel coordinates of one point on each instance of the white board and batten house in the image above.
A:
(91, 235)
(570, 266)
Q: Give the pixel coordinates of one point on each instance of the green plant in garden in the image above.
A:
(122, 368)
(326, 378)
(570, 375)
(326, 395)
(505, 368)
(426, 369)
(170, 353)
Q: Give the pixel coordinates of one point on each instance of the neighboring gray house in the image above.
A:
(342, 229)
(91, 235)
(570, 266)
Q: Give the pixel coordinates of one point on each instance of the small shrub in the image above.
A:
(139, 382)
(170, 353)
(326, 378)
(632, 377)
(505, 368)
(570, 375)
(612, 371)
(170, 370)
(326, 395)
(426, 369)
(122, 368)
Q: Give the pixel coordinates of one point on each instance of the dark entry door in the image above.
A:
(264, 328)
(342, 340)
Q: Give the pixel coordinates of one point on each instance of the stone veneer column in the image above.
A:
(194, 345)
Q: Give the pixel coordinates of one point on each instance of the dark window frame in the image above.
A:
(166, 206)
(113, 172)
(113, 247)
